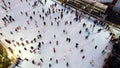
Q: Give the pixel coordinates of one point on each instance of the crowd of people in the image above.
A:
(46, 13)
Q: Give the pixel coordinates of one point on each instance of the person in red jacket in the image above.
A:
(54, 50)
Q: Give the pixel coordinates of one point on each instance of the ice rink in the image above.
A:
(49, 43)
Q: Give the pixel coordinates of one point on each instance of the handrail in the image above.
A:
(106, 21)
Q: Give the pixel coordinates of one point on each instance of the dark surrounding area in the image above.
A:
(114, 59)
(113, 16)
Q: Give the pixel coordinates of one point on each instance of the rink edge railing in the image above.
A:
(116, 27)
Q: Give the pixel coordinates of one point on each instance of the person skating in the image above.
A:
(54, 36)
(31, 18)
(26, 59)
(25, 48)
(80, 32)
(39, 45)
(32, 47)
(67, 64)
(81, 50)
(84, 25)
(50, 59)
(45, 1)
(57, 23)
(27, 41)
(51, 23)
(33, 61)
(56, 42)
(33, 12)
(96, 47)
(86, 37)
(56, 61)
(50, 65)
(20, 51)
(26, 13)
(83, 57)
(34, 39)
(41, 59)
(99, 30)
(54, 50)
(70, 22)
(76, 45)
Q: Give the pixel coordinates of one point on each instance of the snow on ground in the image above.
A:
(65, 51)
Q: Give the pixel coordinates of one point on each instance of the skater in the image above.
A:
(86, 37)
(40, 15)
(49, 65)
(41, 59)
(51, 23)
(54, 36)
(56, 61)
(33, 61)
(44, 23)
(84, 25)
(1, 34)
(39, 64)
(39, 1)
(81, 50)
(70, 22)
(25, 49)
(26, 13)
(40, 35)
(42, 42)
(19, 51)
(26, 59)
(33, 12)
(61, 15)
(18, 43)
(31, 18)
(27, 42)
(86, 30)
(80, 32)
(54, 50)
(96, 47)
(32, 47)
(39, 45)
(50, 59)
(50, 42)
(68, 39)
(8, 41)
(34, 39)
(22, 44)
(66, 22)
(93, 27)
(99, 30)
(67, 64)
(11, 32)
(63, 31)
(83, 57)
(103, 52)
(56, 42)
(43, 18)
(21, 39)
(57, 23)
(43, 10)
(45, 1)
(76, 45)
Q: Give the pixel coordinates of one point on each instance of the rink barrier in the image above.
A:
(114, 26)
(117, 27)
